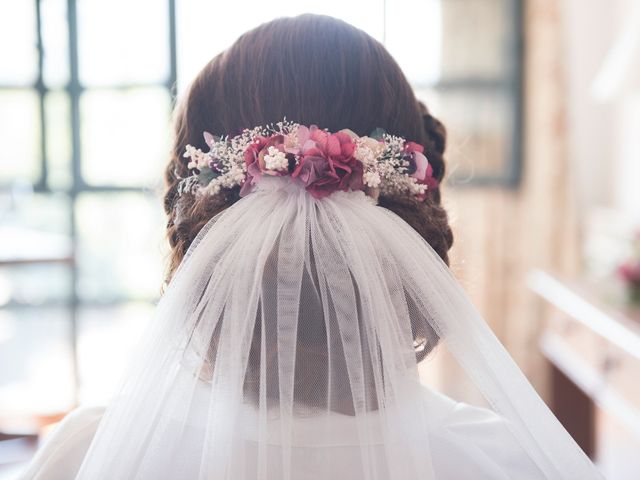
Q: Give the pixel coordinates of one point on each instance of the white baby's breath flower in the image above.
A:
(365, 155)
(235, 176)
(291, 138)
(198, 157)
(368, 150)
(189, 151)
(371, 179)
(213, 188)
(275, 160)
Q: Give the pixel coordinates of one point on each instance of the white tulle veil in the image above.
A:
(286, 347)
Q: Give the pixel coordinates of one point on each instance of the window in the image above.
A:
(85, 97)
(468, 71)
(86, 121)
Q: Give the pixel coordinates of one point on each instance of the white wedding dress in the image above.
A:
(469, 442)
(286, 347)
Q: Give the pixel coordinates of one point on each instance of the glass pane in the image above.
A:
(58, 123)
(35, 345)
(477, 38)
(55, 39)
(19, 54)
(479, 131)
(107, 336)
(415, 40)
(19, 136)
(38, 283)
(123, 42)
(44, 212)
(121, 239)
(35, 251)
(125, 136)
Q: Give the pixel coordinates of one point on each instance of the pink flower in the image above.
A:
(255, 161)
(317, 174)
(326, 162)
(630, 272)
(251, 162)
(419, 167)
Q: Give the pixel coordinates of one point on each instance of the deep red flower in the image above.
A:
(326, 162)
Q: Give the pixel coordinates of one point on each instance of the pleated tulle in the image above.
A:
(285, 348)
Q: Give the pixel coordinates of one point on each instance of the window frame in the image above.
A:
(74, 91)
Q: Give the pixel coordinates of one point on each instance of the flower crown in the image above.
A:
(321, 161)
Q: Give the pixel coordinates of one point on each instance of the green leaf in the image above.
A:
(377, 133)
(206, 175)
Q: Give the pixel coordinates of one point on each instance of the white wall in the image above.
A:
(603, 135)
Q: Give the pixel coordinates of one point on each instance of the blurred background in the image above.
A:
(541, 99)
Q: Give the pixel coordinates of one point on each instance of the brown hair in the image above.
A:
(311, 69)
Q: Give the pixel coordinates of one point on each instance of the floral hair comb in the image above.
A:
(321, 161)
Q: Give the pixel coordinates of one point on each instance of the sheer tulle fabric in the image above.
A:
(285, 348)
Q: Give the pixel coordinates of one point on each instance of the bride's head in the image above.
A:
(311, 69)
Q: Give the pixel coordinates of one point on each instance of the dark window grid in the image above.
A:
(78, 186)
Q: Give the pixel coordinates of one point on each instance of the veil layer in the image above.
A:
(286, 347)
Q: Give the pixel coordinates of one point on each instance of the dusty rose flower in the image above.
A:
(630, 272)
(257, 165)
(419, 167)
(327, 162)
